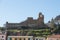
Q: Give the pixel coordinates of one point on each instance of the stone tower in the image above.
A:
(40, 19)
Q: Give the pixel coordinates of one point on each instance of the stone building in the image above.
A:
(29, 23)
(57, 19)
(54, 21)
(54, 24)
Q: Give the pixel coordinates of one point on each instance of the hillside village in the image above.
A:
(32, 29)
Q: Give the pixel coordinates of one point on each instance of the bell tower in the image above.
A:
(40, 18)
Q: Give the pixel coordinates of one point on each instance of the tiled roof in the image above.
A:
(54, 36)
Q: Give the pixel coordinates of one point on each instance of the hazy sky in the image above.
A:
(19, 10)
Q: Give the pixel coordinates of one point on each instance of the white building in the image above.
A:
(40, 38)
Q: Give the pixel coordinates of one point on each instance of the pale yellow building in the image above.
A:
(20, 38)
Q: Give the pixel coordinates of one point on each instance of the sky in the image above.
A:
(16, 11)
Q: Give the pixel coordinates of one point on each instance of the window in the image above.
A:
(3, 32)
(19, 38)
(28, 38)
(2, 36)
(1, 39)
(10, 38)
(15, 38)
(57, 39)
(50, 39)
(40, 39)
(36, 39)
(24, 38)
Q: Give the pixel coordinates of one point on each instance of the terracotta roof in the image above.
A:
(54, 36)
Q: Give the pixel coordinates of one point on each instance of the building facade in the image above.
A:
(55, 21)
(25, 38)
(40, 38)
(2, 35)
(20, 38)
(29, 23)
(53, 37)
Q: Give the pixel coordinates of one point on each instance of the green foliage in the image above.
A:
(57, 29)
(2, 28)
(32, 32)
